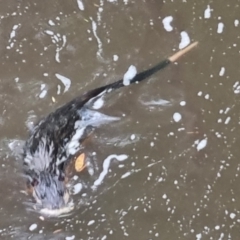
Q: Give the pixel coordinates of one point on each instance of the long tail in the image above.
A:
(138, 78)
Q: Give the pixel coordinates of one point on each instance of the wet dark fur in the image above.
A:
(45, 152)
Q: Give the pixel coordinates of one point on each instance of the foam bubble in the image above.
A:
(33, 227)
(202, 144)
(185, 40)
(129, 75)
(66, 81)
(167, 23)
(207, 12)
(220, 27)
(177, 117)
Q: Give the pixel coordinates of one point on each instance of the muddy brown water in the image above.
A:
(181, 179)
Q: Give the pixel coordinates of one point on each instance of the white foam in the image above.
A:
(43, 94)
(43, 86)
(125, 175)
(66, 81)
(232, 215)
(182, 103)
(222, 71)
(13, 32)
(58, 40)
(70, 238)
(33, 227)
(50, 33)
(57, 56)
(207, 12)
(198, 236)
(75, 177)
(227, 110)
(12, 36)
(164, 196)
(132, 137)
(207, 96)
(160, 102)
(227, 120)
(106, 165)
(51, 23)
(177, 117)
(58, 89)
(44, 91)
(217, 227)
(98, 103)
(94, 29)
(167, 23)
(236, 22)
(185, 40)
(77, 188)
(58, 49)
(80, 5)
(236, 84)
(236, 87)
(202, 144)
(115, 58)
(129, 75)
(220, 27)
(91, 222)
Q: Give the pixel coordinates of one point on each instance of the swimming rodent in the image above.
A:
(57, 138)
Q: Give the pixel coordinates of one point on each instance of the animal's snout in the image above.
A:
(51, 195)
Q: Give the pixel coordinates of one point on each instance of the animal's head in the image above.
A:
(51, 194)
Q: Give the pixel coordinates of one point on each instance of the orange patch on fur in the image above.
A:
(29, 189)
(80, 163)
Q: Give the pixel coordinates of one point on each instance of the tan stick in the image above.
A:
(178, 54)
